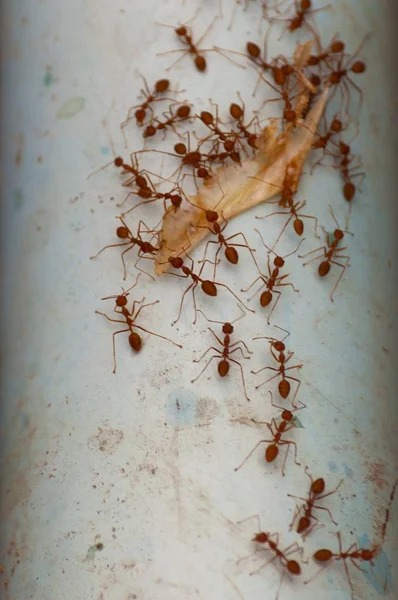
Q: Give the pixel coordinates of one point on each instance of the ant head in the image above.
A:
(140, 114)
(315, 80)
(306, 4)
(176, 261)
(180, 149)
(211, 216)
(336, 125)
(181, 31)
(183, 111)
(253, 50)
(206, 117)
(337, 47)
(227, 328)
(176, 200)
(261, 538)
(279, 262)
(162, 85)
(121, 300)
(318, 486)
(122, 232)
(200, 62)
(289, 115)
(203, 173)
(235, 111)
(338, 234)
(287, 415)
(118, 161)
(358, 67)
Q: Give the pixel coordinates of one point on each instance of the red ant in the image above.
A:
(278, 346)
(335, 46)
(161, 86)
(315, 494)
(331, 252)
(230, 251)
(175, 196)
(228, 140)
(225, 353)
(340, 74)
(321, 141)
(273, 280)
(129, 319)
(289, 114)
(182, 114)
(238, 114)
(292, 567)
(124, 233)
(277, 431)
(303, 8)
(349, 170)
(208, 287)
(353, 553)
(139, 176)
(292, 208)
(184, 34)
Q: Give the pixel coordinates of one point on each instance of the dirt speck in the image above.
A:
(109, 440)
(207, 409)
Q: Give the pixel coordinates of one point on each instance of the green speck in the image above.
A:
(18, 198)
(71, 107)
(91, 552)
(48, 79)
(297, 423)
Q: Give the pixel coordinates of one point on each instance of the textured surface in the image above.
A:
(142, 461)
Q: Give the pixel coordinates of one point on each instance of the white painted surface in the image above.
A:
(88, 456)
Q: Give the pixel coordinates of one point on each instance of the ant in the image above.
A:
(238, 114)
(277, 431)
(161, 86)
(340, 74)
(335, 46)
(278, 346)
(289, 114)
(321, 142)
(230, 251)
(303, 8)
(124, 233)
(225, 353)
(182, 114)
(291, 208)
(228, 140)
(175, 196)
(315, 494)
(273, 280)
(330, 253)
(184, 34)
(353, 553)
(349, 170)
(270, 541)
(208, 287)
(129, 319)
(137, 175)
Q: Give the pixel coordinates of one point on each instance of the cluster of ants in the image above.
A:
(229, 142)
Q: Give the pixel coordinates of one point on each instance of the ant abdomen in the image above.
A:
(271, 453)
(298, 226)
(223, 368)
(304, 523)
(209, 288)
(323, 555)
(265, 298)
(284, 388)
(293, 567)
(324, 268)
(231, 254)
(135, 341)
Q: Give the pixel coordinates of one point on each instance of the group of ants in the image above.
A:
(223, 143)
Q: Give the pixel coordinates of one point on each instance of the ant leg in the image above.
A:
(182, 301)
(216, 262)
(263, 369)
(109, 319)
(275, 303)
(243, 378)
(156, 334)
(143, 306)
(312, 252)
(250, 286)
(271, 560)
(343, 267)
(123, 261)
(114, 346)
(316, 223)
(327, 510)
(289, 443)
(110, 246)
(207, 364)
(235, 296)
(217, 338)
(239, 348)
(198, 360)
(330, 493)
(205, 252)
(250, 453)
(142, 270)
(298, 387)
(283, 229)
(270, 379)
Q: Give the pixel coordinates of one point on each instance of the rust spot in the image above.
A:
(377, 474)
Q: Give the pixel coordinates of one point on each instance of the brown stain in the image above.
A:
(376, 473)
(18, 155)
(207, 409)
(109, 440)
